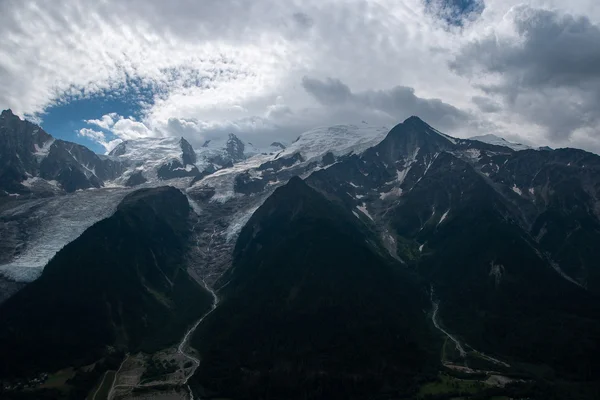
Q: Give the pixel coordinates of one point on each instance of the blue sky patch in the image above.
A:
(63, 121)
(454, 12)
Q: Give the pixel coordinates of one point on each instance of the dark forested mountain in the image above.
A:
(452, 214)
(406, 264)
(314, 307)
(120, 286)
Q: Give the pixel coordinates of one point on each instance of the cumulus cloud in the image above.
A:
(119, 126)
(92, 134)
(100, 138)
(210, 68)
(128, 129)
(106, 122)
(398, 102)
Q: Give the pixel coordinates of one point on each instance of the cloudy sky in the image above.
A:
(100, 71)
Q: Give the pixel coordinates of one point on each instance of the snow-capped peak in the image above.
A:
(499, 141)
(147, 155)
(338, 139)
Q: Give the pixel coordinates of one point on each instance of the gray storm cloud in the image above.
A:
(549, 73)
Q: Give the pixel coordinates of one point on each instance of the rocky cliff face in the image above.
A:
(29, 154)
(22, 145)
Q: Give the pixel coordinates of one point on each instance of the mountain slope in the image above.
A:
(313, 308)
(558, 195)
(504, 244)
(21, 143)
(448, 210)
(482, 263)
(33, 161)
(121, 285)
(154, 160)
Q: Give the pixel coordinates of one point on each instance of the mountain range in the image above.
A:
(357, 262)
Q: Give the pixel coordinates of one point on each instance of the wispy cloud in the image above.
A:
(106, 122)
(205, 68)
(100, 138)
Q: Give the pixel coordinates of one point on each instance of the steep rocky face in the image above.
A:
(63, 166)
(459, 233)
(558, 197)
(135, 179)
(28, 152)
(188, 155)
(311, 290)
(235, 148)
(282, 162)
(175, 169)
(22, 144)
(121, 285)
(410, 138)
(119, 149)
(76, 167)
(552, 195)
(450, 209)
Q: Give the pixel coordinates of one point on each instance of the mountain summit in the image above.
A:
(33, 161)
(407, 263)
(310, 290)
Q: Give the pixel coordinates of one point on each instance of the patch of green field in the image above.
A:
(58, 379)
(449, 385)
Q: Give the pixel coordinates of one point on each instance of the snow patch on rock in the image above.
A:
(363, 209)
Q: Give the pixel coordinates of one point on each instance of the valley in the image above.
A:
(354, 263)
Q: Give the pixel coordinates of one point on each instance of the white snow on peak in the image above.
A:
(223, 180)
(148, 154)
(517, 190)
(339, 140)
(498, 141)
